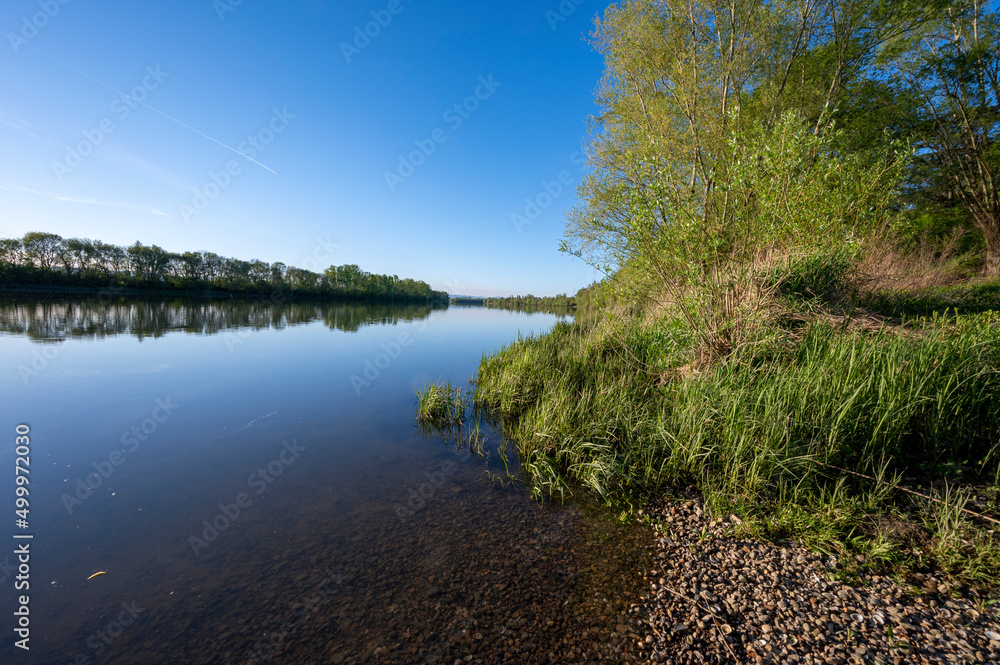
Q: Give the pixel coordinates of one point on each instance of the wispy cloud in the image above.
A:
(146, 210)
(22, 126)
(158, 112)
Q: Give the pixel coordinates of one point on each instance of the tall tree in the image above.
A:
(714, 145)
(953, 71)
(685, 82)
(148, 262)
(41, 249)
(11, 252)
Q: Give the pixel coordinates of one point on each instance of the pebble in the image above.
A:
(753, 602)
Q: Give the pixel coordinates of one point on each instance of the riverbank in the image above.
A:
(719, 596)
(862, 429)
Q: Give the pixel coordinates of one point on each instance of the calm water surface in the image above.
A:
(250, 478)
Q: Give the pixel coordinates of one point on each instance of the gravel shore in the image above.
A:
(716, 599)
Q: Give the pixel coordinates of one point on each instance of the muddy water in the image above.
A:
(251, 482)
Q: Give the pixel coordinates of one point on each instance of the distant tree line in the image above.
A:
(530, 303)
(46, 259)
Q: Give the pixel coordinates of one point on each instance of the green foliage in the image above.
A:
(827, 276)
(609, 407)
(774, 187)
(46, 259)
(441, 407)
(735, 137)
(558, 304)
(713, 144)
(795, 191)
(950, 73)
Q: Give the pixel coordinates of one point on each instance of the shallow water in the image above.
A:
(250, 478)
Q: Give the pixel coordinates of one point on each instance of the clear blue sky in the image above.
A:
(212, 74)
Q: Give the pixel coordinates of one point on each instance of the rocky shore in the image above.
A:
(718, 599)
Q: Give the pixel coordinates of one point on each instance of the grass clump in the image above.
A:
(441, 407)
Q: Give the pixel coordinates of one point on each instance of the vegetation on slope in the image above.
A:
(813, 429)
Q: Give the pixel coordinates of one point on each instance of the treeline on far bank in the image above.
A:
(561, 303)
(46, 261)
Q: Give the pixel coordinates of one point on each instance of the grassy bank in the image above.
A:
(814, 429)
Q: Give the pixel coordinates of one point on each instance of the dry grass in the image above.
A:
(886, 268)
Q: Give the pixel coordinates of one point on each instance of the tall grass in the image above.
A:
(805, 428)
(441, 407)
(610, 407)
(587, 408)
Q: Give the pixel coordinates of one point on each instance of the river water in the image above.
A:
(250, 480)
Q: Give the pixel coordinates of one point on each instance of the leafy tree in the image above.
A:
(953, 73)
(214, 267)
(42, 249)
(259, 273)
(11, 252)
(114, 258)
(277, 276)
(716, 148)
(77, 254)
(193, 266)
(148, 263)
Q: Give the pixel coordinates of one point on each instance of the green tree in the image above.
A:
(78, 254)
(148, 263)
(111, 259)
(953, 72)
(193, 266)
(42, 249)
(715, 148)
(11, 252)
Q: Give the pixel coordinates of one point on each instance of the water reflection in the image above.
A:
(368, 544)
(59, 320)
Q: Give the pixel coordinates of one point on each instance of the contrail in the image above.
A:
(101, 83)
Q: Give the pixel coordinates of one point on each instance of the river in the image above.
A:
(250, 481)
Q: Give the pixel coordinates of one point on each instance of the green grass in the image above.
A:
(441, 407)
(616, 408)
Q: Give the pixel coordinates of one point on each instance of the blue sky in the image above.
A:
(323, 124)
